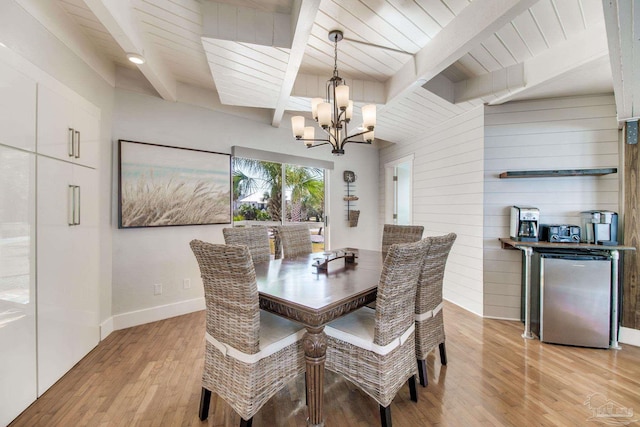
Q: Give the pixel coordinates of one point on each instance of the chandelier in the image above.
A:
(334, 113)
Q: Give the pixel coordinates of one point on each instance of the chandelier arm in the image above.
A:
(331, 137)
(318, 145)
(354, 141)
(325, 141)
(348, 139)
(357, 134)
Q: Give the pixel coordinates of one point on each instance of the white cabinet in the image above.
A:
(17, 282)
(67, 253)
(68, 126)
(49, 303)
(17, 108)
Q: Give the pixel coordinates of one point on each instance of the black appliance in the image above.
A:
(560, 233)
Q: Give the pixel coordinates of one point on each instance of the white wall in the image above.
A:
(23, 34)
(564, 133)
(448, 197)
(143, 257)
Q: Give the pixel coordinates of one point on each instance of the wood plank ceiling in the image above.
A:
(421, 61)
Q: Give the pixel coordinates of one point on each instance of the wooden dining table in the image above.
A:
(295, 289)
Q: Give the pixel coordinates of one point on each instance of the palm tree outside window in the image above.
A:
(259, 187)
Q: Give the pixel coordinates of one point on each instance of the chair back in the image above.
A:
(429, 293)
(295, 239)
(397, 290)
(256, 238)
(231, 294)
(392, 234)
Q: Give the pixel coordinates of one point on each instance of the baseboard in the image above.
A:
(462, 307)
(503, 318)
(629, 336)
(106, 328)
(153, 314)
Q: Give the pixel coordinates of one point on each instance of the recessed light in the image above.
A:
(135, 58)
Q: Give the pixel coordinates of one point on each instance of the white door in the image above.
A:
(67, 267)
(17, 283)
(17, 108)
(399, 191)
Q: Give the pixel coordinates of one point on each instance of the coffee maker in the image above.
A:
(600, 227)
(524, 223)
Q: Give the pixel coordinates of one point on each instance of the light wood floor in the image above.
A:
(150, 376)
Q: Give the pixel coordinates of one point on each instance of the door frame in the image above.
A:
(390, 188)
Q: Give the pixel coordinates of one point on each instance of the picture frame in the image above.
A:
(160, 186)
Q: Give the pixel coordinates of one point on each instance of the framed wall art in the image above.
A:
(164, 186)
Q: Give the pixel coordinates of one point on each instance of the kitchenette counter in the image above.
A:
(529, 247)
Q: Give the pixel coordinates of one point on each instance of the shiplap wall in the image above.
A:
(563, 133)
(448, 197)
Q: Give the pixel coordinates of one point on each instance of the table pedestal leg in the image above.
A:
(527, 293)
(315, 350)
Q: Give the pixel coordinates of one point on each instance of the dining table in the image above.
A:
(313, 290)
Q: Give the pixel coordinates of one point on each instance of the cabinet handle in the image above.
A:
(77, 140)
(71, 138)
(71, 208)
(77, 210)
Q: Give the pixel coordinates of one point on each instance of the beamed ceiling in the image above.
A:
(422, 62)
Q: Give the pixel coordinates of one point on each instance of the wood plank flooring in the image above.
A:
(149, 375)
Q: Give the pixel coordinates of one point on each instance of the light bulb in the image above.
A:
(297, 126)
(369, 116)
(324, 114)
(342, 97)
(309, 133)
(314, 107)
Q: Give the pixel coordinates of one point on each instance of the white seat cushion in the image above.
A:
(276, 333)
(358, 328)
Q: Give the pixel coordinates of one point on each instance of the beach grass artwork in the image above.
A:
(165, 186)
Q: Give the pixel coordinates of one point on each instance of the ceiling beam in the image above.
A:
(118, 18)
(496, 83)
(59, 23)
(622, 20)
(243, 24)
(474, 24)
(560, 60)
(443, 87)
(315, 86)
(301, 25)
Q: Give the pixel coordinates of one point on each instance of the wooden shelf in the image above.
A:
(558, 173)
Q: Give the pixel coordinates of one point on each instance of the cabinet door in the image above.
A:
(17, 108)
(86, 124)
(68, 127)
(17, 283)
(67, 268)
(55, 124)
(86, 258)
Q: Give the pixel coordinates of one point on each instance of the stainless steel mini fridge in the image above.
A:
(574, 299)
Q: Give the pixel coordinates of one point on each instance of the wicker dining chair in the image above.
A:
(429, 318)
(392, 234)
(256, 238)
(295, 240)
(375, 350)
(250, 354)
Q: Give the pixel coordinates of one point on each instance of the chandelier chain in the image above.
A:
(335, 58)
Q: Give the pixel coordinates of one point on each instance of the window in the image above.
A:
(273, 193)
